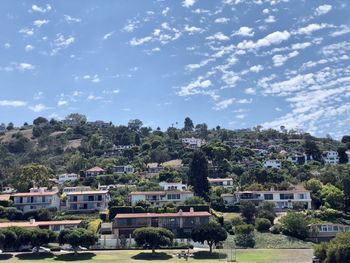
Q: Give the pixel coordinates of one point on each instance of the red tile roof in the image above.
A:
(87, 192)
(149, 215)
(4, 197)
(96, 169)
(36, 224)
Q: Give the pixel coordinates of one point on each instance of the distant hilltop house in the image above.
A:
(158, 198)
(173, 186)
(221, 182)
(62, 178)
(299, 158)
(95, 171)
(330, 157)
(272, 164)
(286, 199)
(118, 150)
(121, 169)
(8, 190)
(99, 124)
(37, 198)
(192, 142)
(154, 168)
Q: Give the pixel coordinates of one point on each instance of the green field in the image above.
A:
(127, 256)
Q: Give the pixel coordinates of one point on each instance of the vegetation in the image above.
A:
(76, 238)
(336, 251)
(152, 237)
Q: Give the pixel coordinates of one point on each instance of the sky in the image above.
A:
(233, 63)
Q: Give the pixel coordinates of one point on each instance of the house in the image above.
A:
(192, 142)
(330, 157)
(8, 190)
(325, 231)
(94, 171)
(299, 159)
(222, 182)
(87, 201)
(62, 178)
(173, 186)
(158, 198)
(272, 164)
(56, 226)
(282, 199)
(37, 198)
(124, 169)
(2, 127)
(154, 168)
(179, 223)
(76, 189)
(118, 150)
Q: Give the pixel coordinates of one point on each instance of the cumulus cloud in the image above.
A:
(279, 60)
(70, 19)
(250, 91)
(195, 87)
(323, 9)
(256, 68)
(13, 103)
(188, 3)
(38, 108)
(222, 20)
(218, 36)
(61, 42)
(192, 29)
(223, 104)
(108, 35)
(28, 48)
(274, 38)
(244, 31)
(139, 41)
(25, 66)
(308, 30)
(39, 23)
(41, 9)
(270, 19)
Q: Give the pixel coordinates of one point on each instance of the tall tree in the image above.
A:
(135, 125)
(77, 237)
(312, 149)
(76, 117)
(40, 237)
(343, 157)
(33, 175)
(198, 174)
(188, 125)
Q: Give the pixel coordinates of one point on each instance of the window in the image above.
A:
(324, 228)
(301, 196)
(99, 197)
(268, 196)
(335, 228)
(56, 228)
(286, 196)
(43, 199)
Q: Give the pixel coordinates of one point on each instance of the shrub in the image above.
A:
(276, 229)
(295, 225)
(245, 236)
(262, 224)
(94, 225)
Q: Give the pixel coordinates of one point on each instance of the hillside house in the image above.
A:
(330, 157)
(87, 201)
(221, 182)
(55, 226)
(62, 178)
(124, 169)
(173, 186)
(272, 164)
(158, 198)
(326, 231)
(192, 142)
(94, 171)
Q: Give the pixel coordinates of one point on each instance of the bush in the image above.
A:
(245, 236)
(262, 224)
(295, 225)
(104, 216)
(276, 229)
(94, 225)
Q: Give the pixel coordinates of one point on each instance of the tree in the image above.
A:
(198, 174)
(343, 157)
(244, 235)
(77, 237)
(40, 120)
(188, 124)
(10, 126)
(295, 225)
(333, 197)
(76, 118)
(153, 237)
(262, 224)
(195, 200)
(312, 149)
(41, 237)
(33, 175)
(336, 251)
(135, 125)
(212, 233)
(345, 139)
(248, 210)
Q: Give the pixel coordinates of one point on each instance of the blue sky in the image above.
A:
(234, 63)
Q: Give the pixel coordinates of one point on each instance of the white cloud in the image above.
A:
(245, 101)
(61, 42)
(12, 103)
(223, 104)
(165, 11)
(256, 68)
(308, 30)
(218, 36)
(27, 31)
(7, 45)
(195, 87)
(323, 9)
(344, 29)
(274, 38)
(250, 91)
(279, 60)
(62, 103)
(70, 19)
(25, 66)
(38, 108)
(139, 41)
(188, 3)
(93, 97)
(39, 23)
(192, 29)
(301, 45)
(41, 9)
(240, 116)
(222, 20)
(108, 35)
(244, 31)
(28, 48)
(270, 19)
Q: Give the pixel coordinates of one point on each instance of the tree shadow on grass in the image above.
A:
(72, 257)
(208, 255)
(150, 256)
(31, 256)
(5, 256)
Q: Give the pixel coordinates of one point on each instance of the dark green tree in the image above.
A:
(198, 174)
(77, 237)
(343, 157)
(295, 225)
(153, 237)
(188, 124)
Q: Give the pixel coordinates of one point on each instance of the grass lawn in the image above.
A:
(127, 256)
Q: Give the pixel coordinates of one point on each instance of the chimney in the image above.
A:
(180, 212)
(32, 221)
(191, 210)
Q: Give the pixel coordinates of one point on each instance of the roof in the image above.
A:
(35, 194)
(4, 197)
(152, 165)
(161, 192)
(34, 224)
(87, 192)
(219, 179)
(270, 192)
(96, 169)
(172, 163)
(150, 215)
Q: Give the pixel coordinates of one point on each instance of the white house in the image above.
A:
(281, 199)
(76, 189)
(272, 164)
(330, 157)
(95, 171)
(221, 182)
(193, 142)
(172, 186)
(67, 177)
(37, 198)
(299, 159)
(158, 198)
(121, 169)
(93, 200)
(8, 190)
